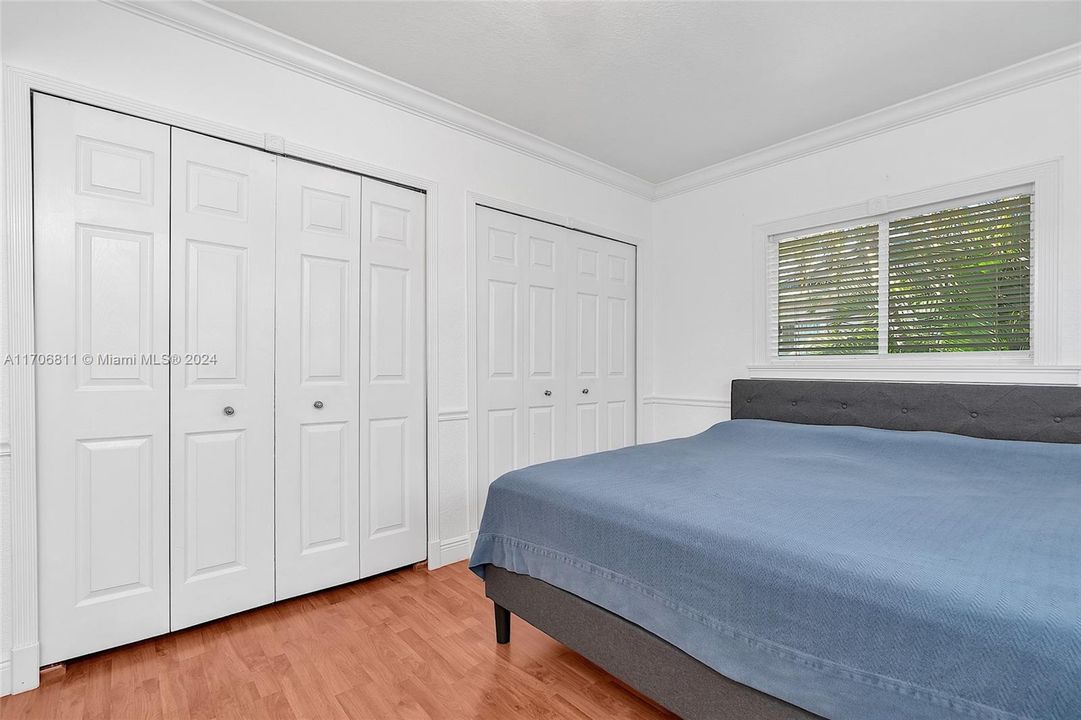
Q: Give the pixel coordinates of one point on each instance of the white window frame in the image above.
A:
(1042, 363)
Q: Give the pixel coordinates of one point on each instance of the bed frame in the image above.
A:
(684, 685)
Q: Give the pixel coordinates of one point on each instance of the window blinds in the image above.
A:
(827, 293)
(956, 280)
(960, 279)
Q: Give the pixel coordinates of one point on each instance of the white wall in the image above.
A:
(117, 52)
(700, 271)
(703, 238)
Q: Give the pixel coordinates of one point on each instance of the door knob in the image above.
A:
(547, 393)
(318, 404)
(229, 410)
(585, 391)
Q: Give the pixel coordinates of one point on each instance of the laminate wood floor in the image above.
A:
(408, 644)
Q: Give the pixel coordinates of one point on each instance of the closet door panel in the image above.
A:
(101, 264)
(317, 378)
(585, 387)
(544, 321)
(601, 347)
(618, 288)
(501, 336)
(393, 453)
(222, 390)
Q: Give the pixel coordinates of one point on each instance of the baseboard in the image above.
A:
(5, 677)
(25, 668)
(451, 550)
(455, 549)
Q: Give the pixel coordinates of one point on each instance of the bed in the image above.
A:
(807, 560)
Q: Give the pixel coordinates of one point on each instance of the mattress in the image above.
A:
(855, 572)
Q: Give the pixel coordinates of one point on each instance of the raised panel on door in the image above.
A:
(393, 451)
(317, 378)
(216, 312)
(216, 493)
(389, 464)
(101, 264)
(502, 438)
(222, 392)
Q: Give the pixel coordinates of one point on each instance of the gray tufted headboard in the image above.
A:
(1003, 412)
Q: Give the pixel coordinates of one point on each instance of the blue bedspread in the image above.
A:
(862, 574)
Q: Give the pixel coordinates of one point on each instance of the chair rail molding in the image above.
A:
(19, 84)
(232, 31)
(1046, 68)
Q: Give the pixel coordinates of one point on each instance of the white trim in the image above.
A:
(883, 287)
(18, 197)
(1049, 335)
(475, 198)
(706, 402)
(452, 550)
(223, 28)
(922, 372)
(25, 666)
(18, 192)
(1029, 73)
(456, 549)
(5, 677)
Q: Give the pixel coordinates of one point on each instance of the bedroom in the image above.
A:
(569, 228)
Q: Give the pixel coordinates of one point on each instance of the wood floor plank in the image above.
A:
(410, 644)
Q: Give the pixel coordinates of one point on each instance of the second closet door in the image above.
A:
(555, 343)
(523, 274)
(317, 377)
(222, 399)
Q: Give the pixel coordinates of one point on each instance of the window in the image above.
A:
(960, 280)
(950, 278)
(827, 293)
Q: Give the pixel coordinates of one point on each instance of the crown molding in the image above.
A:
(1042, 69)
(236, 33)
(223, 28)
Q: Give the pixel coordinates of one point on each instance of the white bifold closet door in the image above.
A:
(393, 449)
(318, 376)
(101, 294)
(555, 343)
(222, 465)
(232, 407)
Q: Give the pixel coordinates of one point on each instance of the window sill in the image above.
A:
(924, 371)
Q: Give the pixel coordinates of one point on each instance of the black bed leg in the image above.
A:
(502, 624)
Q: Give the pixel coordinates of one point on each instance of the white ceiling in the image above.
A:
(659, 89)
